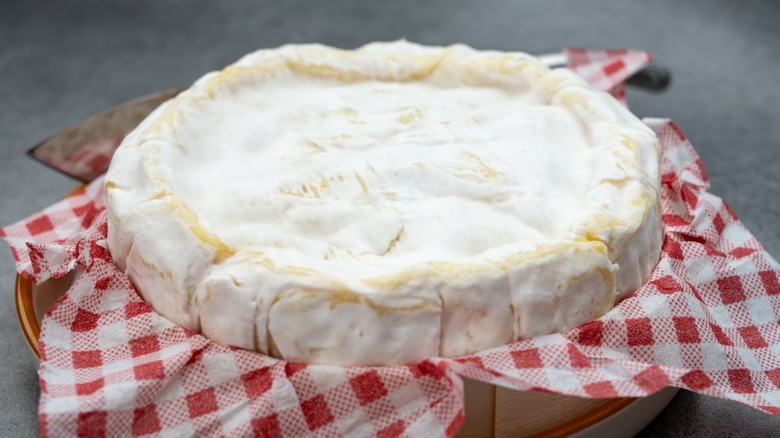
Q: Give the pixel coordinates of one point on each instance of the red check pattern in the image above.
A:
(706, 321)
(607, 70)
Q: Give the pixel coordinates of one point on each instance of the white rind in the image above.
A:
(482, 198)
(477, 311)
(570, 286)
(372, 329)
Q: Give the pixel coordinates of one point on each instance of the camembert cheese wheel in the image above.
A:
(384, 205)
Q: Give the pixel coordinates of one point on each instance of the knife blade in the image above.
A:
(80, 150)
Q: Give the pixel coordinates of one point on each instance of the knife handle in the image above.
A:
(653, 78)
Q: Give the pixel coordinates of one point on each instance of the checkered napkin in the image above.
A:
(706, 321)
(607, 70)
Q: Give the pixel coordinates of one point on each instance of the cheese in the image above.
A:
(384, 205)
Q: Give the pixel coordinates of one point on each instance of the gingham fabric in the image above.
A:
(706, 321)
(607, 70)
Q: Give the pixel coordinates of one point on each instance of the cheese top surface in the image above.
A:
(378, 173)
(367, 178)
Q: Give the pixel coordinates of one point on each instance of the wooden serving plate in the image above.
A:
(490, 410)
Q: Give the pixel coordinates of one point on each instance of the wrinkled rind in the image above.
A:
(622, 210)
(476, 310)
(188, 274)
(566, 288)
(166, 271)
(229, 305)
(640, 252)
(344, 327)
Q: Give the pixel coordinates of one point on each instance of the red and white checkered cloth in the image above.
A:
(607, 69)
(706, 321)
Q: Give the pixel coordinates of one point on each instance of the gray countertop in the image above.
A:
(63, 61)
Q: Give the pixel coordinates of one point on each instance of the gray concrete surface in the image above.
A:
(62, 61)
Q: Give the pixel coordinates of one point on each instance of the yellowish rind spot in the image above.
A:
(362, 183)
(189, 217)
(457, 271)
(409, 117)
(486, 171)
(572, 98)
